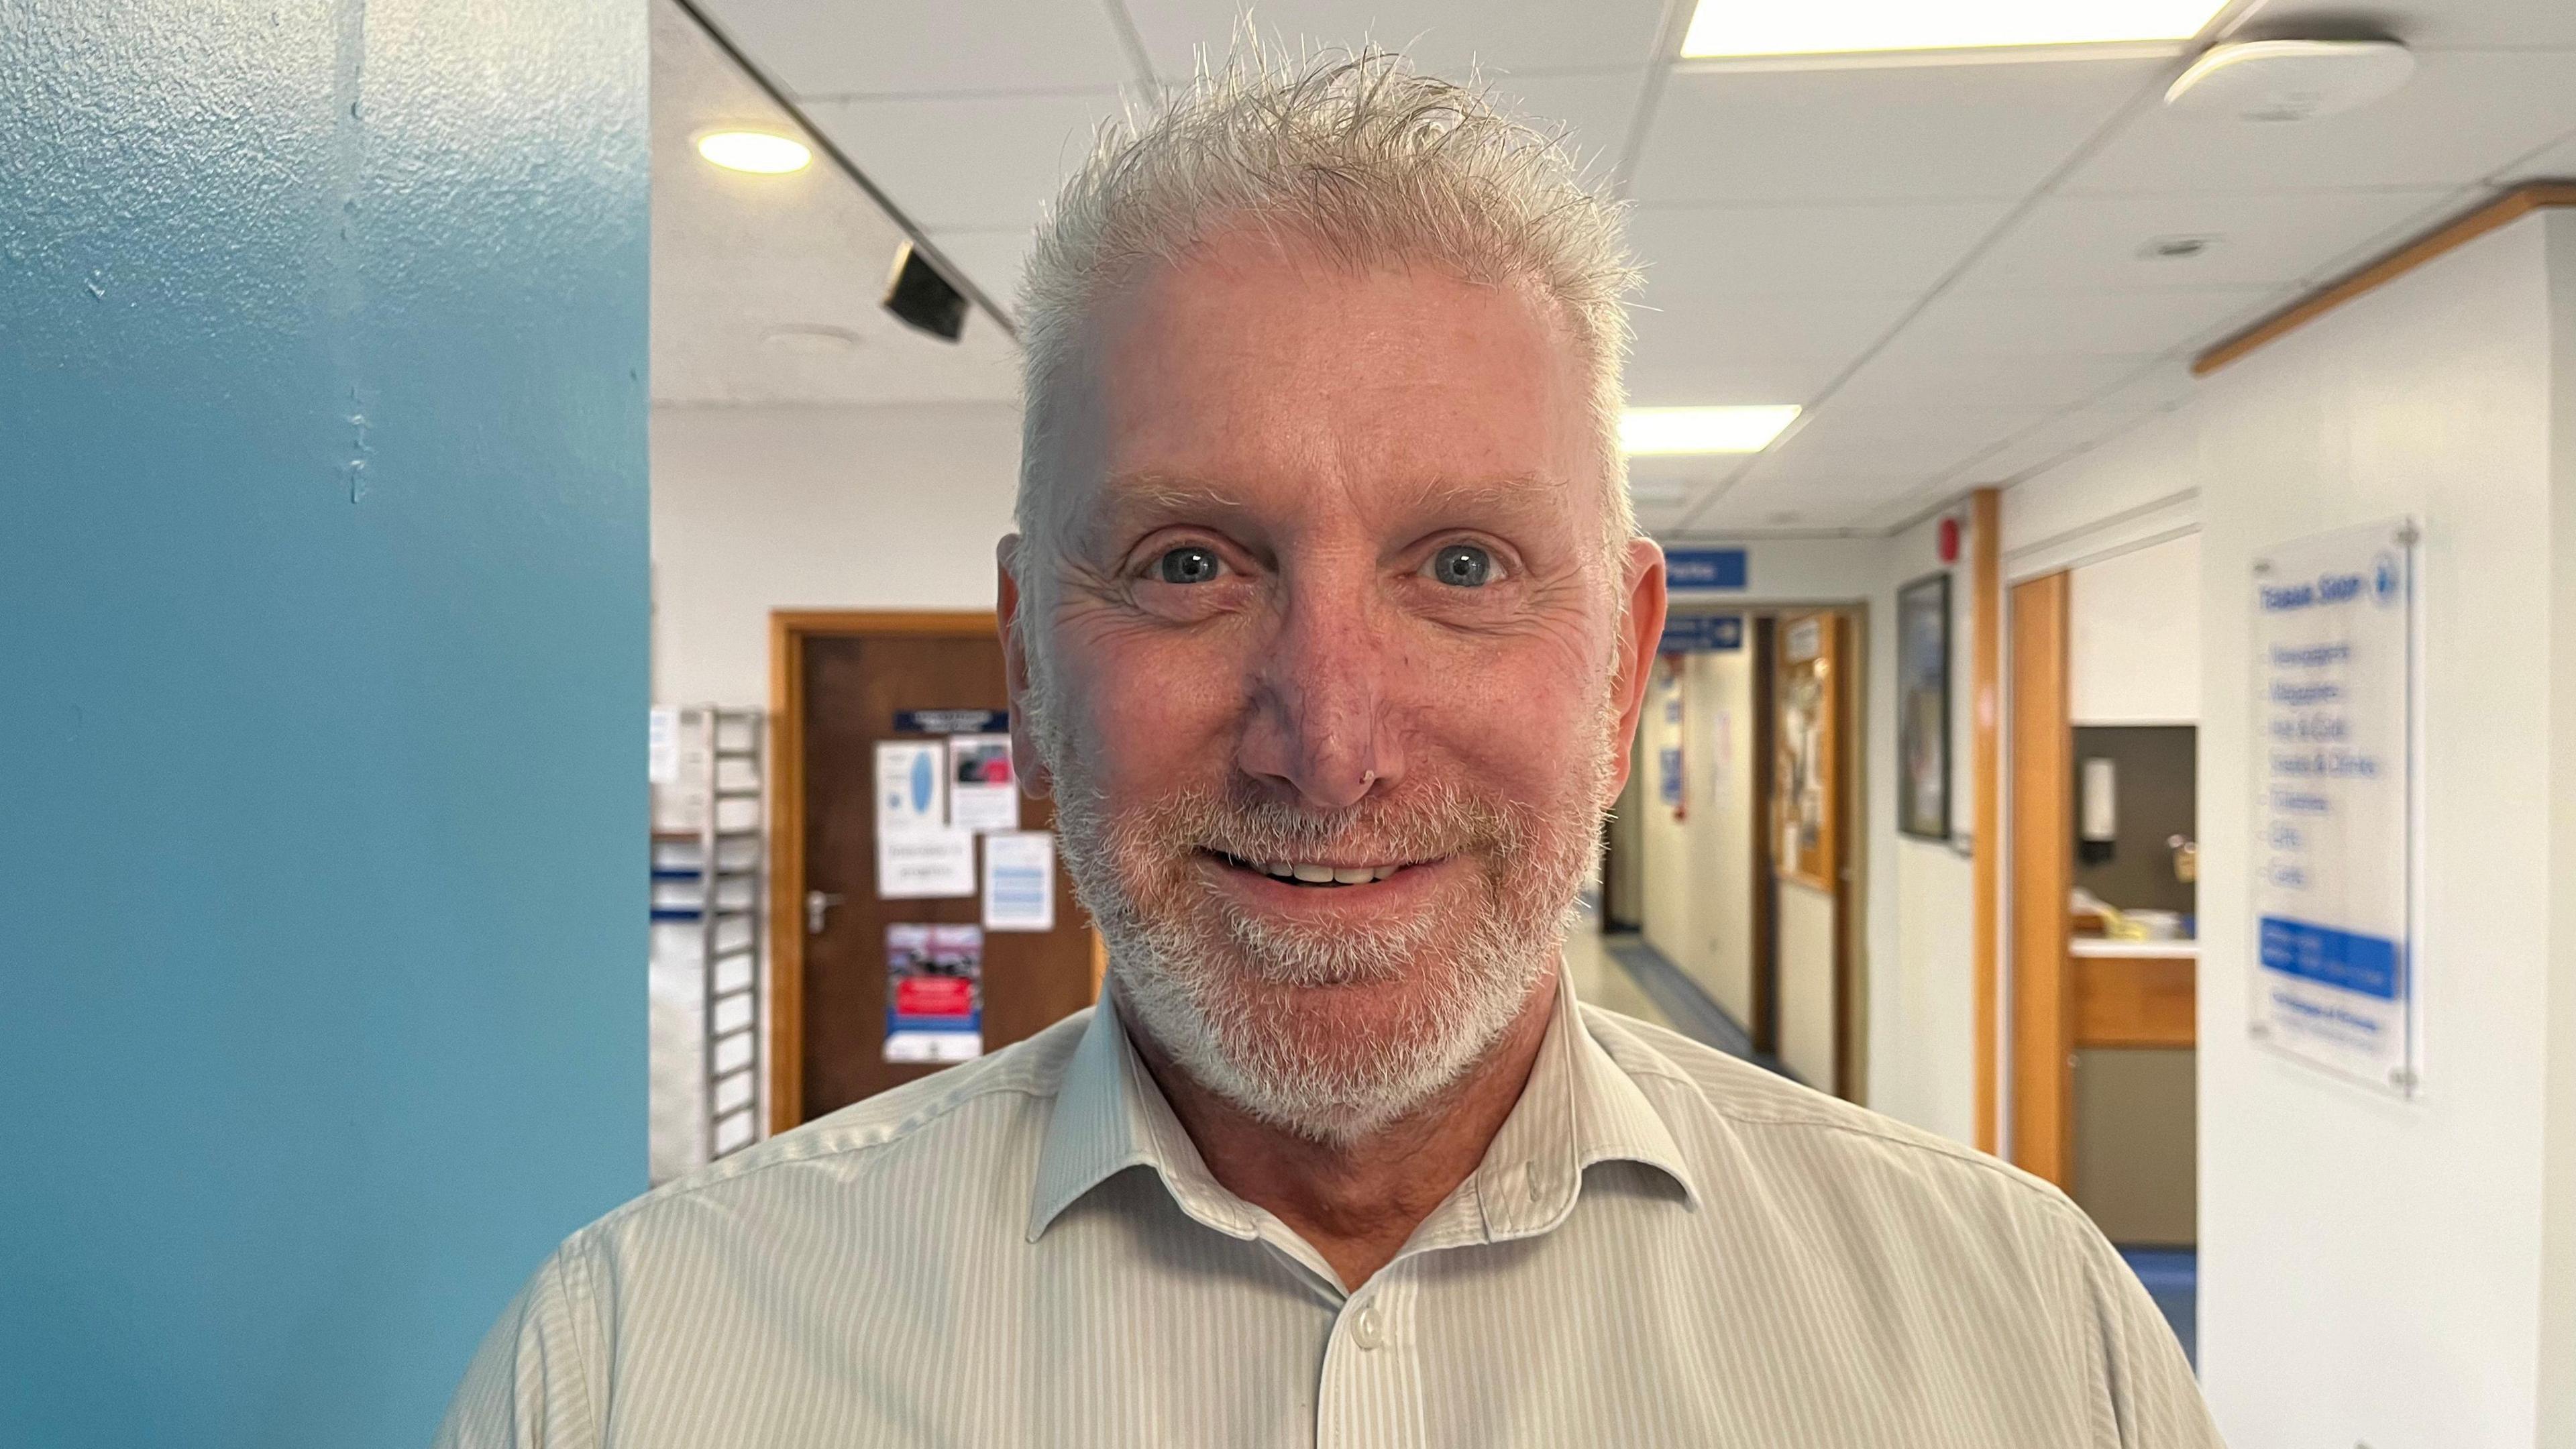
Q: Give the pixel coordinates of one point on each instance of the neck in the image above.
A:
(1357, 1203)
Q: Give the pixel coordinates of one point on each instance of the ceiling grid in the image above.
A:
(1958, 269)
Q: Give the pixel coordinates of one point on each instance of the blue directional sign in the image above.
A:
(1702, 634)
(1704, 568)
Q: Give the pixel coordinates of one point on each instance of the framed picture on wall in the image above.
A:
(1923, 707)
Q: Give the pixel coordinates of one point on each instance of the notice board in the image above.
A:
(2336, 717)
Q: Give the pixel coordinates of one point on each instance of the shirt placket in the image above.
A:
(1371, 1396)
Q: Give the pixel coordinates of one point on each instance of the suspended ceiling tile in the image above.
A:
(1685, 478)
(2465, 115)
(981, 163)
(2135, 323)
(1911, 375)
(912, 47)
(1691, 252)
(2433, 24)
(992, 258)
(2166, 385)
(2096, 243)
(2555, 162)
(1782, 502)
(1595, 108)
(1686, 382)
(1444, 37)
(1719, 331)
(1848, 446)
(1901, 134)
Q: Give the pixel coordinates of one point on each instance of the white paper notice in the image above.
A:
(912, 786)
(926, 864)
(1019, 881)
(662, 747)
(983, 793)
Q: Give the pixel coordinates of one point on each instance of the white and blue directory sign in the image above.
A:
(2334, 762)
(1702, 633)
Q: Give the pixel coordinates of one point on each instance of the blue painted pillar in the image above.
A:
(322, 686)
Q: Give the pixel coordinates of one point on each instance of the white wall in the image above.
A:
(1698, 870)
(1921, 1019)
(814, 508)
(2133, 637)
(2374, 1271)
(1806, 930)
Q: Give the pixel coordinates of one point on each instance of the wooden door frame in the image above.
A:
(2040, 857)
(788, 631)
(1986, 828)
(1763, 1000)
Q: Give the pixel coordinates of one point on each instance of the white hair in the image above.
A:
(1356, 155)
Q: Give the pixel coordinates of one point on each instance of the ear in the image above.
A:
(1641, 629)
(1026, 764)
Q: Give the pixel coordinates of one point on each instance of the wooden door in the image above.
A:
(1812, 994)
(842, 679)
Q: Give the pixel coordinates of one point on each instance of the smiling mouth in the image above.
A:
(1308, 873)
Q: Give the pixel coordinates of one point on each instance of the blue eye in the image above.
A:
(1463, 565)
(1189, 564)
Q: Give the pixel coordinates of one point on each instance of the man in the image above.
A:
(1328, 626)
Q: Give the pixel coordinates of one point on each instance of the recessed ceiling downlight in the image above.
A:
(763, 153)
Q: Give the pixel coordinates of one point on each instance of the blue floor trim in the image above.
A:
(2172, 1278)
(1693, 1012)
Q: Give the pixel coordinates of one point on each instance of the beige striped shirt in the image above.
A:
(1662, 1246)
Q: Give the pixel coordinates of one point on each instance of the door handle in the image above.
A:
(817, 905)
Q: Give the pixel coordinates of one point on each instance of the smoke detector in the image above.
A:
(2290, 80)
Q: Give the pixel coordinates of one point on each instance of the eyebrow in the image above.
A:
(1150, 495)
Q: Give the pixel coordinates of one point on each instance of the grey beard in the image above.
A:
(1214, 988)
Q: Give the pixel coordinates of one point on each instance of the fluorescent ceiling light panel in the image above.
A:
(1653, 432)
(756, 151)
(1833, 27)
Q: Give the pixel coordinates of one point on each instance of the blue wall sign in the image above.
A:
(1702, 634)
(1705, 568)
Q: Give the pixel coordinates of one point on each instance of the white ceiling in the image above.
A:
(1942, 262)
(737, 258)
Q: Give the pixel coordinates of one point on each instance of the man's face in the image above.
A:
(1334, 600)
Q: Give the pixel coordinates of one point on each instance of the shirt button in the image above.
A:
(1368, 1330)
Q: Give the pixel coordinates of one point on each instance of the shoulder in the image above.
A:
(987, 1106)
(1783, 1130)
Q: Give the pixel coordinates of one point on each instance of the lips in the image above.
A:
(1313, 873)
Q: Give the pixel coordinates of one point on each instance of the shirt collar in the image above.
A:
(1578, 1108)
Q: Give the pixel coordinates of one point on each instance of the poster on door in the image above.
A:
(1019, 881)
(2334, 716)
(934, 993)
(983, 794)
(920, 856)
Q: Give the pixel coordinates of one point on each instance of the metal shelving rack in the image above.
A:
(729, 867)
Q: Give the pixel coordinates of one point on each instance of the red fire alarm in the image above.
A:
(1949, 540)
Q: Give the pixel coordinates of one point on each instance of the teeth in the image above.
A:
(1321, 874)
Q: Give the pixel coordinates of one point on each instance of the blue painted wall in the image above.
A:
(322, 681)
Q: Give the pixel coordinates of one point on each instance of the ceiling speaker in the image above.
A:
(923, 298)
(2290, 80)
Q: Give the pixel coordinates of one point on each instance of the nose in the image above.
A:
(1320, 721)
